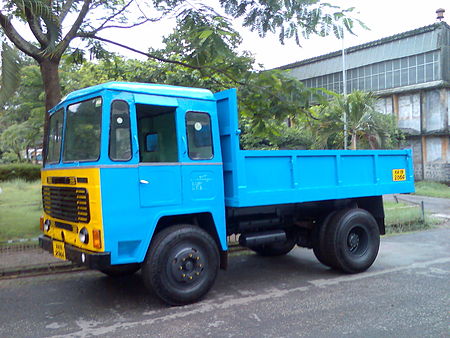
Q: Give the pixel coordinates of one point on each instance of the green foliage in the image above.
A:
(22, 116)
(270, 98)
(285, 137)
(367, 128)
(10, 72)
(201, 52)
(401, 217)
(20, 209)
(202, 37)
(432, 189)
(24, 171)
(13, 139)
(291, 19)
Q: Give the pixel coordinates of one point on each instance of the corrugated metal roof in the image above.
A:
(412, 42)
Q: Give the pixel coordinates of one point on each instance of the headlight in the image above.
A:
(47, 225)
(84, 236)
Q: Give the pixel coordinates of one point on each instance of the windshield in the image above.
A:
(82, 135)
(54, 137)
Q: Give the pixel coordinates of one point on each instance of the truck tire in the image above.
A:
(181, 264)
(121, 270)
(318, 237)
(277, 248)
(351, 240)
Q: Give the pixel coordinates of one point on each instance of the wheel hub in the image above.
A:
(353, 241)
(187, 265)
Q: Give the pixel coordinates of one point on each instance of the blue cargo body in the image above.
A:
(268, 177)
(280, 177)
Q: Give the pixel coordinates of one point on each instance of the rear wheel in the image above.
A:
(181, 264)
(318, 236)
(277, 248)
(351, 240)
(121, 270)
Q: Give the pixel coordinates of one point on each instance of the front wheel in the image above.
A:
(181, 264)
(351, 240)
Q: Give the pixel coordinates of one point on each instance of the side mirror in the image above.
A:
(151, 142)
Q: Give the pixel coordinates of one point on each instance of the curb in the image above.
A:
(62, 267)
(42, 269)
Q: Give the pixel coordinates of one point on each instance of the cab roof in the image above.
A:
(143, 88)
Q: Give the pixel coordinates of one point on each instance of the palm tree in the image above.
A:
(366, 127)
(9, 72)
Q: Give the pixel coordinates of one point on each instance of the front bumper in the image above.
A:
(93, 260)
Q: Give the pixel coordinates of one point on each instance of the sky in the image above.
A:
(383, 17)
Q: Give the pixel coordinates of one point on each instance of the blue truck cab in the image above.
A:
(151, 177)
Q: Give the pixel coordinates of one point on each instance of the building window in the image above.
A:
(389, 74)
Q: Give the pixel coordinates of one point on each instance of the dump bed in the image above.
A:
(266, 177)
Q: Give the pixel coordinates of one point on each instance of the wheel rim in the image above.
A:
(186, 266)
(357, 241)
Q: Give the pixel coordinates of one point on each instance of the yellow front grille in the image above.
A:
(66, 203)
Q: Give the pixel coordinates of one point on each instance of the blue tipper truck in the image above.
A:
(151, 177)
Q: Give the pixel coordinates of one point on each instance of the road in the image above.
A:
(405, 294)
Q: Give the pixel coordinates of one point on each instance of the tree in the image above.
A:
(204, 43)
(13, 140)
(366, 127)
(46, 20)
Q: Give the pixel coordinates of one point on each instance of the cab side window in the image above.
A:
(157, 133)
(198, 129)
(119, 134)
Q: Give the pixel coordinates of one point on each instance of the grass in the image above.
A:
(432, 189)
(20, 209)
(401, 217)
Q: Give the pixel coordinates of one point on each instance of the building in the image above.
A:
(410, 72)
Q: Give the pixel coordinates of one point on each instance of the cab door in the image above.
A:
(159, 167)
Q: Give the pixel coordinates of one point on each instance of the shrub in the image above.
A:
(25, 171)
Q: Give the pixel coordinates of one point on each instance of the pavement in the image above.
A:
(20, 260)
(404, 294)
(25, 259)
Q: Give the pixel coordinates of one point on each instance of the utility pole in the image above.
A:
(344, 82)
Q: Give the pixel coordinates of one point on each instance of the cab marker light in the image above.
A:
(97, 239)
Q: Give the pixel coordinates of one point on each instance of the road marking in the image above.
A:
(350, 278)
(441, 215)
(255, 317)
(225, 302)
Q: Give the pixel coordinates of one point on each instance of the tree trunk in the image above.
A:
(52, 89)
(353, 141)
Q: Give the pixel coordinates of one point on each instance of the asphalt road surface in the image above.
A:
(405, 294)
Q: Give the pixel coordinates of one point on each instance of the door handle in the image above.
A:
(136, 145)
(144, 182)
(183, 139)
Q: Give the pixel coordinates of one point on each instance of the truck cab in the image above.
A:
(123, 158)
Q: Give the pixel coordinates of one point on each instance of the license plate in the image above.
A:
(58, 250)
(399, 175)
